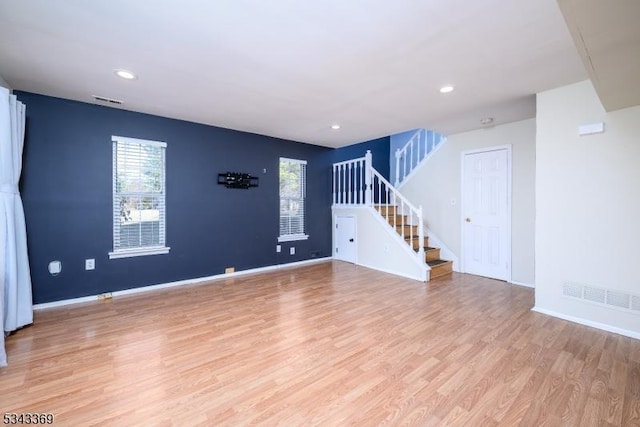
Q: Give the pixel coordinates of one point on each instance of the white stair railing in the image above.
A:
(357, 183)
(419, 146)
(400, 214)
(352, 181)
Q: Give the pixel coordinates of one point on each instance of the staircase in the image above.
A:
(357, 184)
(422, 144)
(439, 267)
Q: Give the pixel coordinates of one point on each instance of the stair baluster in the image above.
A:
(357, 183)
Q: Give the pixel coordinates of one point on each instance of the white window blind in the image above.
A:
(139, 216)
(292, 198)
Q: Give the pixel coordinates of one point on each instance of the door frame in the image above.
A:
(508, 148)
(335, 235)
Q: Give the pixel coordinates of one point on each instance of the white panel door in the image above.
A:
(486, 209)
(345, 239)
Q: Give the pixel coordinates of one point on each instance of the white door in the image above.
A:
(345, 238)
(486, 213)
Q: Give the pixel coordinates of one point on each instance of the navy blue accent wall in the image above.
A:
(67, 193)
(379, 150)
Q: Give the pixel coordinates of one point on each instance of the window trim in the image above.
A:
(129, 253)
(147, 250)
(297, 236)
(292, 237)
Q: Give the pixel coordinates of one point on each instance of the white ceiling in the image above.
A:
(289, 68)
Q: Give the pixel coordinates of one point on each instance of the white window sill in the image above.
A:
(292, 237)
(128, 253)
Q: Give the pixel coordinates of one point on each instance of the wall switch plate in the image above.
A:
(90, 264)
(278, 248)
(292, 250)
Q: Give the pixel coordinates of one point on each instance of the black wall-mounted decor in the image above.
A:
(237, 180)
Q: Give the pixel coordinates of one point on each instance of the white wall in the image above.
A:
(3, 83)
(379, 249)
(437, 183)
(587, 204)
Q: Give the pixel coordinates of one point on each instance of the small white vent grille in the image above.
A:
(607, 297)
(619, 299)
(107, 100)
(573, 290)
(594, 294)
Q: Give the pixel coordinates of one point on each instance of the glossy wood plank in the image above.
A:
(330, 344)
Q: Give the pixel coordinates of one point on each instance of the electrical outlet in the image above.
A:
(292, 250)
(106, 295)
(278, 248)
(55, 267)
(90, 264)
(229, 270)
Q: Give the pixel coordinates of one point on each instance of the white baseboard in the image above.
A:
(526, 285)
(597, 325)
(180, 283)
(395, 273)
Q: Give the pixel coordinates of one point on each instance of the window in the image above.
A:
(138, 197)
(292, 193)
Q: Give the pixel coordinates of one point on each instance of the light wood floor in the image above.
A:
(330, 344)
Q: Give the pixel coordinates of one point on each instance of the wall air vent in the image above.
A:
(608, 297)
(107, 100)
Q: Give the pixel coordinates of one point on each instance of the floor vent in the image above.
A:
(607, 297)
(107, 100)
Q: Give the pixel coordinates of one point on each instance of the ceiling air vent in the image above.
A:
(107, 100)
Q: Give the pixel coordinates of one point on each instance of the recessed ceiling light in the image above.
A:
(486, 121)
(335, 127)
(125, 74)
(446, 89)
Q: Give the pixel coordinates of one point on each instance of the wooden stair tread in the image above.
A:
(440, 268)
(437, 262)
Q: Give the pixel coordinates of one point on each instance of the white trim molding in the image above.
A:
(198, 280)
(394, 272)
(585, 322)
(115, 138)
(128, 253)
(526, 285)
(292, 237)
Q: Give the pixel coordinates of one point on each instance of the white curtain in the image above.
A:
(16, 305)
